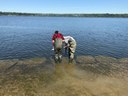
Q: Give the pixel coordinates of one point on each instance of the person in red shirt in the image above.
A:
(57, 41)
(57, 34)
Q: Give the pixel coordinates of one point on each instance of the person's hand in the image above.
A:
(64, 47)
(52, 41)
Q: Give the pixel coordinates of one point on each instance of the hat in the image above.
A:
(56, 32)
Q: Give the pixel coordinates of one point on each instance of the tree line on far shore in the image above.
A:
(64, 15)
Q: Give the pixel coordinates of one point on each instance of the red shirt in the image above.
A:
(59, 35)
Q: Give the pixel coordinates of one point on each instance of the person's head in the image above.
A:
(56, 32)
(70, 40)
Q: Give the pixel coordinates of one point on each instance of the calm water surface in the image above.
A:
(28, 37)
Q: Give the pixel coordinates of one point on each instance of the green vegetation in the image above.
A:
(64, 15)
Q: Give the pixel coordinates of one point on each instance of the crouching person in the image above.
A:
(70, 44)
(57, 40)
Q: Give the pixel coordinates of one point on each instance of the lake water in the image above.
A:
(28, 37)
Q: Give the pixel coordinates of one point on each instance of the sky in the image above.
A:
(64, 6)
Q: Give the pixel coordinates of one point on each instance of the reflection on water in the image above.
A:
(28, 37)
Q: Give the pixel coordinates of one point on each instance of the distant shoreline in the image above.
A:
(65, 15)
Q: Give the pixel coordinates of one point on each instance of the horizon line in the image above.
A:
(61, 13)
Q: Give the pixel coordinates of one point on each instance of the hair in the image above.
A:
(56, 32)
(70, 40)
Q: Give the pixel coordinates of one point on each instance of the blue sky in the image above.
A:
(64, 6)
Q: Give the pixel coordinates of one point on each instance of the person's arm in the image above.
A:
(62, 37)
(53, 39)
(66, 45)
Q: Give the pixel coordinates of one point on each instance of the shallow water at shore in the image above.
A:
(87, 76)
